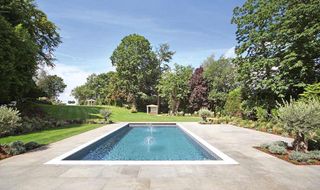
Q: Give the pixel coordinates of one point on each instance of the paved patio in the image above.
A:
(256, 170)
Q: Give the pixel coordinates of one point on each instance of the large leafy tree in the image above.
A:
(221, 75)
(27, 39)
(51, 85)
(278, 51)
(114, 92)
(164, 56)
(105, 88)
(199, 90)
(42, 31)
(137, 67)
(81, 94)
(174, 86)
(17, 61)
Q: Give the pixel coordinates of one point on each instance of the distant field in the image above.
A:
(118, 114)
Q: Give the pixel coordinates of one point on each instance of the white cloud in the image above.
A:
(230, 53)
(72, 77)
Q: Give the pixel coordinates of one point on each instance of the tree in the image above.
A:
(137, 67)
(164, 56)
(115, 94)
(80, 94)
(232, 106)
(18, 61)
(105, 88)
(221, 75)
(51, 85)
(174, 86)
(278, 51)
(27, 39)
(42, 31)
(301, 118)
(199, 90)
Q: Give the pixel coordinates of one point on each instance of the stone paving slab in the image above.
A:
(256, 170)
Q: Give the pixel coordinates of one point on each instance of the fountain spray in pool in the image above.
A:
(149, 140)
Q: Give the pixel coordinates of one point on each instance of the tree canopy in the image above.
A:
(51, 85)
(27, 39)
(174, 86)
(278, 51)
(164, 56)
(199, 90)
(42, 32)
(221, 75)
(137, 67)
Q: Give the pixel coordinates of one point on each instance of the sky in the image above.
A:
(92, 29)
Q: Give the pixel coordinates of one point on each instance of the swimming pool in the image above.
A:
(146, 143)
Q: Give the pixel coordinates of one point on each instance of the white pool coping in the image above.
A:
(225, 160)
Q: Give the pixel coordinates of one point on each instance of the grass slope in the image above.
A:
(118, 114)
(51, 135)
(85, 112)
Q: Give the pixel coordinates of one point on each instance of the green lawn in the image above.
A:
(51, 135)
(85, 112)
(118, 114)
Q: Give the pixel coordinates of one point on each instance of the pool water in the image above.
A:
(145, 143)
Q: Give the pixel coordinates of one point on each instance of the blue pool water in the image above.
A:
(145, 143)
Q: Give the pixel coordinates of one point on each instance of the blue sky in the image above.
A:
(92, 29)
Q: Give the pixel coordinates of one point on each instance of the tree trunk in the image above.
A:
(177, 106)
(299, 143)
(134, 103)
(158, 102)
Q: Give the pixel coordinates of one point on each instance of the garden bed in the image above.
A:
(285, 157)
(3, 154)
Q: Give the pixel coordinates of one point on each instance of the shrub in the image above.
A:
(265, 145)
(9, 120)
(314, 144)
(244, 123)
(126, 106)
(36, 124)
(214, 120)
(251, 124)
(205, 113)
(105, 114)
(262, 114)
(181, 113)
(299, 156)
(277, 128)
(276, 149)
(280, 143)
(97, 121)
(235, 120)
(133, 110)
(300, 118)
(31, 145)
(311, 91)
(315, 155)
(233, 103)
(15, 148)
(248, 112)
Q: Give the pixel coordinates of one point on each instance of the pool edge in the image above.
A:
(225, 160)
